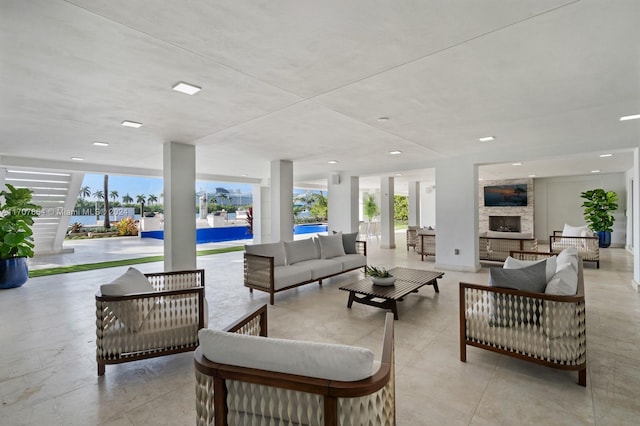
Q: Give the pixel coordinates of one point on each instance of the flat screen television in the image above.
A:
(505, 195)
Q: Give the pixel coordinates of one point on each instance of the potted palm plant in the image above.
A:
(597, 207)
(16, 236)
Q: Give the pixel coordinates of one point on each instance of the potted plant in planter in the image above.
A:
(16, 241)
(597, 207)
(379, 276)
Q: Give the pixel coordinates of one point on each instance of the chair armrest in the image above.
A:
(361, 247)
(530, 255)
(254, 323)
(259, 271)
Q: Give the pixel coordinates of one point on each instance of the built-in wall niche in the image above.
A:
(524, 213)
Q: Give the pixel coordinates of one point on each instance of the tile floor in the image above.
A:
(48, 370)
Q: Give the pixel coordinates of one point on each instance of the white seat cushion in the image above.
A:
(351, 261)
(284, 276)
(311, 359)
(320, 268)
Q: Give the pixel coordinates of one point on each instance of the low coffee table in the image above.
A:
(407, 281)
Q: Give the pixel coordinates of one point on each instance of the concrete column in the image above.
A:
(414, 203)
(388, 236)
(457, 215)
(261, 213)
(179, 206)
(281, 200)
(428, 206)
(343, 202)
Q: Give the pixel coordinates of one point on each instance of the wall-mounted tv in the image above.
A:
(505, 195)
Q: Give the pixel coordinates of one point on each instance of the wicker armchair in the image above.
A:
(538, 327)
(412, 237)
(497, 248)
(145, 325)
(588, 246)
(427, 243)
(232, 395)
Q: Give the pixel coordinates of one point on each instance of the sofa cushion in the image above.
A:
(320, 268)
(300, 250)
(284, 276)
(574, 231)
(531, 278)
(131, 282)
(275, 250)
(564, 282)
(331, 245)
(312, 359)
(568, 256)
(505, 308)
(551, 262)
(349, 242)
(351, 261)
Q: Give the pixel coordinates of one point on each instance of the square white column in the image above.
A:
(387, 228)
(179, 162)
(343, 203)
(281, 200)
(414, 203)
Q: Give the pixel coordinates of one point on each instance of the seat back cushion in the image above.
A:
(275, 250)
(331, 245)
(568, 256)
(131, 282)
(504, 309)
(311, 359)
(574, 231)
(551, 262)
(349, 242)
(300, 250)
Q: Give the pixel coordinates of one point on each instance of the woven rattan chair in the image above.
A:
(232, 395)
(151, 324)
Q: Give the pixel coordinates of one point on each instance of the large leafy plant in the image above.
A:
(16, 218)
(597, 207)
(370, 207)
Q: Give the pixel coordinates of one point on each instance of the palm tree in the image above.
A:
(152, 199)
(99, 195)
(107, 224)
(126, 198)
(114, 195)
(141, 199)
(85, 192)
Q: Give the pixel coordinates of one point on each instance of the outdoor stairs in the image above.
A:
(56, 192)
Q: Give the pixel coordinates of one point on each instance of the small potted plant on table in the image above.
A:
(379, 276)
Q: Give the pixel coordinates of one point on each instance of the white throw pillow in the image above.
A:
(131, 282)
(568, 256)
(574, 231)
(550, 270)
(564, 282)
(320, 360)
(331, 245)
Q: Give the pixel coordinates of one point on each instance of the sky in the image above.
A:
(134, 185)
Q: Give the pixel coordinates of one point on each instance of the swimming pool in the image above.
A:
(233, 233)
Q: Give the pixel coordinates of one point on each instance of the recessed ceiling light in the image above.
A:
(398, 174)
(630, 117)
(516, 164)
(383, 118)
(133, 124)
(187, 88)
(605, 155)
(101, 143)
(480, 178)
(77, 158)
(395, 152)
(244, 175)
(532, 175)
(332, 162)
(595, 171)
(486, 139)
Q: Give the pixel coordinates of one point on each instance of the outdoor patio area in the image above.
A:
(48, 368)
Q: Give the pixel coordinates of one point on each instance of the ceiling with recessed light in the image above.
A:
(319, 82)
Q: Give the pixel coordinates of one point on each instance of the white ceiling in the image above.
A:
(309, 82)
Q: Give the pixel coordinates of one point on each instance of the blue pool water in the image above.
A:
(233, 233)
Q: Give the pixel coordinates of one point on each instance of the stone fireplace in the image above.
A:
(504, 223)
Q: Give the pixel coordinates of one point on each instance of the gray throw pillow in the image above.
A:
(349, 242)
(507, 309)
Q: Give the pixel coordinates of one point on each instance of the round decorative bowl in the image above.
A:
(383, 281)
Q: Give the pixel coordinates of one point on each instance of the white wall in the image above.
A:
(558, 202)
(428, 205)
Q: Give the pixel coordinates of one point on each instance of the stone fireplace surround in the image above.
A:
(524, 212)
